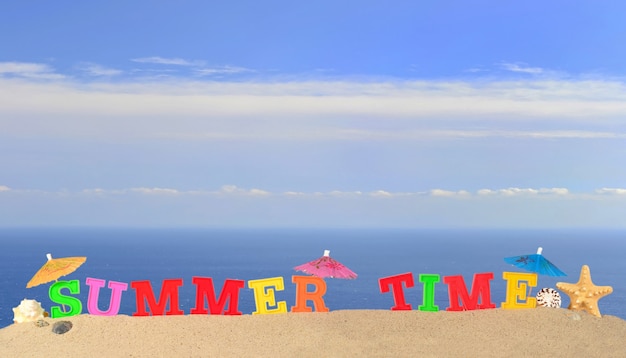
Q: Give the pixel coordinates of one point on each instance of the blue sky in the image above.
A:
(277, 113)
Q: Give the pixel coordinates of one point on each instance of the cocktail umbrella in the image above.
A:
(325, 266)
(535, 263)
(55, 269)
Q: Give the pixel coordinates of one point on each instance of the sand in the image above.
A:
(540, 332)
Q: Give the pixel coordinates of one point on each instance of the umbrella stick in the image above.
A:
(530, 290)
(62, 305)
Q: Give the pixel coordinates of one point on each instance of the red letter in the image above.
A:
(204, 288)
(398, 293)
(169, 289)
(480, 289)
(302, 295)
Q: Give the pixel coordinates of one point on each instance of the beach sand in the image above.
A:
(540, 332)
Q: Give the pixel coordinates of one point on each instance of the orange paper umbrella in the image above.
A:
(54, 269)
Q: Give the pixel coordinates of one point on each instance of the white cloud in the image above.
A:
(29, 70)
(96, 70)
(221, 70)
(199, 67)
(155, 191)
(167, 61)
(521, 67)
(517, 191)
(342, 110)
(294, 193)
(611, 191)
(234, 190)
(259, 192)
(341, 193)
(523, 191)
(381, 193)
(448, 193)
(556, 191)
(96, 191)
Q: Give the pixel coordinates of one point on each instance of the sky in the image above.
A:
(315, 114)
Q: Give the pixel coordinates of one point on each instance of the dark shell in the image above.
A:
(61, 327)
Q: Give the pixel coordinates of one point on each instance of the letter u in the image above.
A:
(94, 291)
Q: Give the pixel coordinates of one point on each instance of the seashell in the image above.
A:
(548, 297)
(28, 311)
(61, 327)
(41, 323)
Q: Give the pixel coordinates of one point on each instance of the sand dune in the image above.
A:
(540, 332)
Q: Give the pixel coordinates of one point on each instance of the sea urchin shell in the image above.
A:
(548, 297)
(28, 311)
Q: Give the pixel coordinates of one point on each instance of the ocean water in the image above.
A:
(126, 255)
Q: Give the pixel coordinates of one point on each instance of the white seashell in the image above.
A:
(28, 311)
(548, 297)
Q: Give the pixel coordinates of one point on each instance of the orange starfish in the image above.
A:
(584, 295)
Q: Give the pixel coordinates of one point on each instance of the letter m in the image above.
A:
(457, 291)
(205, 289)
(169, 291)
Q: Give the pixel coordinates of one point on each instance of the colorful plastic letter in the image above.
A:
(230, 291)
(302, 295)
(169, 290)
(264, 297)
(517, 291)
(398, 294)
(480, 289)
(75, 306)
(428, 302)
(94, 292)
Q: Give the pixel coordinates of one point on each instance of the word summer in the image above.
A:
(309, 290)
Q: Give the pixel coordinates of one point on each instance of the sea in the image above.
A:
(157, 254)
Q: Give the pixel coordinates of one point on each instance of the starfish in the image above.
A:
(584, 295)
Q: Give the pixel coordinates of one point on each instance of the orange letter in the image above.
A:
(302, 295)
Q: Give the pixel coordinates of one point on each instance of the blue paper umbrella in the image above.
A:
(535, 263)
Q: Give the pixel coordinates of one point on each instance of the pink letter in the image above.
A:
(94, 290)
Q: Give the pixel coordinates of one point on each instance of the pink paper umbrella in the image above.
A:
(326, 267)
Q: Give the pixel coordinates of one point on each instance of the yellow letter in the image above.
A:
(517, 291)
(264, 295)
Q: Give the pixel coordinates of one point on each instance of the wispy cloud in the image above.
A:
(233, 190)
(448, 193)
(92, 69)
(221, 70)
(239, 207)
(611, 191)
(29, 70)
(155, 191)
(167, 61)
(522, 68)
(524, 191)
(195, 109)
